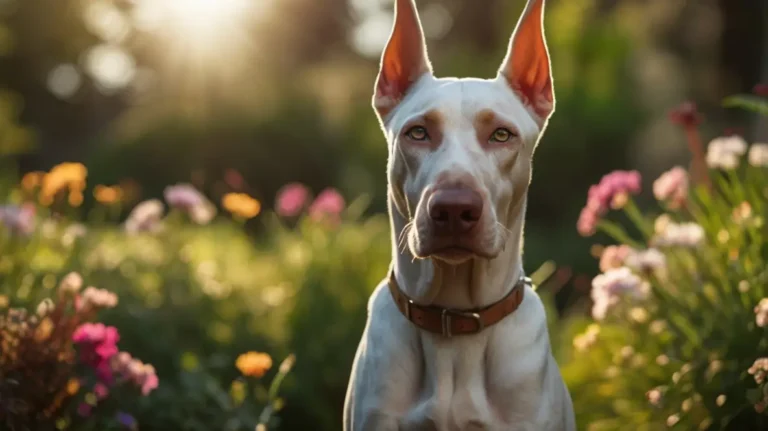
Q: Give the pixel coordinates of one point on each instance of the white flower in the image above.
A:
(761, 313)
(650, 260)
(758, 155)
(724, 152)
(680, 235)
(609, 287)
(145, 217)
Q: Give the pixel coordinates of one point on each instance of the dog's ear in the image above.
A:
(404, 59)
(526, 67)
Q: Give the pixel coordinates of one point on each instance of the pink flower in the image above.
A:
(672, 187)
(329, 203)
(95, 299)
(614, 257)
(133, 370)
(100, 390)
(98, 344)
(291, 199)
(612, 191)
(149, 383)
(18, 219)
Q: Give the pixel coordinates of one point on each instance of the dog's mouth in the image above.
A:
(455, 253)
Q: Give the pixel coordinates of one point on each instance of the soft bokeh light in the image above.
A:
(64, 80)
(111, 67)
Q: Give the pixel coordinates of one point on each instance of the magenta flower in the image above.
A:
(329, 203)
(18, 219)
(84, 410)
(672, 187)
(291, 199)
(612, 191)
(98, 344)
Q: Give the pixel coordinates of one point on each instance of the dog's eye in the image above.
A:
(417, 133)
(501, 135)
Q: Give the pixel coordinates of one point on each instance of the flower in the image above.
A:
(612, 191)
(108, 195)
(586, 340)
(71, 283)
(18, 219)
(32, 180)
(253, 364)
(654, 396)
(141, 374)
(241, 205)
(609, 287)
(291, 199)
(724, 152)
(329, 203)
(742, 213)
(761, 313)
(185, 197)
(126, 420)
(720, 400)
(672, 420)
(145, 217)
(758, 155)
(287, 363)
(100, 390)
(759, 370)
(687, 115)
(69, 176)
(647, 261)
(93, 298)
(671, 234)
(672, 187)
(98, 344)
(614, 256)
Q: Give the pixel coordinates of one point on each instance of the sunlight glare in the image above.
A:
(203, 19)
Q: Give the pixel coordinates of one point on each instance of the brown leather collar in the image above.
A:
(449, 322)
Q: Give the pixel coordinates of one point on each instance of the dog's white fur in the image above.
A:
(503, 378)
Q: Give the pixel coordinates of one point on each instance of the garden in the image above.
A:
(186, 247)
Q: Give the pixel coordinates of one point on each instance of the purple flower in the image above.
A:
(125, 420)
(18, 219)
(291, 199)
(608, 289)
(187, 198)
(329, 203)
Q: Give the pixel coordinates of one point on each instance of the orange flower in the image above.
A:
(253, 364)
(108, 195)
(73, 385)
(32, 180)
(241, 205)
(64, 176)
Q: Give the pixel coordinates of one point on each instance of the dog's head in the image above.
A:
(460, 150)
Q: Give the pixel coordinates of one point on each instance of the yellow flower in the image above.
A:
(241, 205)
(253, 364)
(108, 195)
(32, 180)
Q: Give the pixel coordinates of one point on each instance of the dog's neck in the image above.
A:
(472, 284)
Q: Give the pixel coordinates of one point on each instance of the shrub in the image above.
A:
(678, 331)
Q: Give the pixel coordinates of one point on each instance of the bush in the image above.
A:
(678, 331)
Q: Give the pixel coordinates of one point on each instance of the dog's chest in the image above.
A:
(478, 384)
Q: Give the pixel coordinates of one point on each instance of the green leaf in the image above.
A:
(748, 102)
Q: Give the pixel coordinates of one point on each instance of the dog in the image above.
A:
(456, 337)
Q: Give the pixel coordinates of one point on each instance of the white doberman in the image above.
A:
(456, 337)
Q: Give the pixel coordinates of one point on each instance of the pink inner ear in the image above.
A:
(404, 59)
(527, 69)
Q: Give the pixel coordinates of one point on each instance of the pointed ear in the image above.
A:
(526, 67)
(404, 59)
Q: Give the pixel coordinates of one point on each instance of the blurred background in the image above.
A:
(165, 91)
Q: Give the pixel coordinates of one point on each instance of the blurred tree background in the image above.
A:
(161, 91)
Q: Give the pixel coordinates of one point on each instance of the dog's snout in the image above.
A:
(455, 211)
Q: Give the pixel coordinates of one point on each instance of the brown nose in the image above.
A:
(454, 211)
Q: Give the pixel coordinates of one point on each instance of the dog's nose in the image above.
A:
(455, 211)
